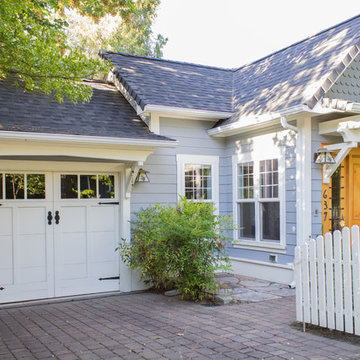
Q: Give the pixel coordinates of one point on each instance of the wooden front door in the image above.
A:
(341, 198)
(353, 200)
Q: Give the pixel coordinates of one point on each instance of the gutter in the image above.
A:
(252, 122)
(93, 140)
(215, 115)
(286, 125)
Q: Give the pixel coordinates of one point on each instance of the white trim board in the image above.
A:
(283, 274)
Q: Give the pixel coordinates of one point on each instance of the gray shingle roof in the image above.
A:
(108, 114)
(170, 83)
(297, 75)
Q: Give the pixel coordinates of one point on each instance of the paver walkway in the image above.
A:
(152, 326)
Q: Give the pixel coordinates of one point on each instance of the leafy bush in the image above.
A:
(179, 246)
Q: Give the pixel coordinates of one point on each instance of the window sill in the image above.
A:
(260, 246)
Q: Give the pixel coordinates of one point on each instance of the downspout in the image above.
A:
(286, 125)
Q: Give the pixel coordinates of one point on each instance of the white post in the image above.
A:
(303, 181)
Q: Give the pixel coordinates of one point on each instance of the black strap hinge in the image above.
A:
(110, 278)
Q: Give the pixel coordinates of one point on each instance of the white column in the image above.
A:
(303, 180)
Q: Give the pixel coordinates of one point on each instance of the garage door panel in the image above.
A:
(73, 271)
(30, 274)
(73, 248)
(6, 260)
(31, 250)
(73, 219)
(102, 247)
(6, 221)
(102, 218)
(31, 220)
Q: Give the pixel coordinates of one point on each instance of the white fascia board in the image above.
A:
(195, 114)
(255, 122)
(81, 139)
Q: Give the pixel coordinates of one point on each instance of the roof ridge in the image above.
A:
(105, 52)
(296, 43)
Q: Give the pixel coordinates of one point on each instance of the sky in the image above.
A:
(232, 33)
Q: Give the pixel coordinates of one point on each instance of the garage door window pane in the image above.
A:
(87, 186)
(106, 186)
(35, 186)
(69, 186)
(14, 186)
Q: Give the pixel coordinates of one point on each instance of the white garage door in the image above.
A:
(58, 233)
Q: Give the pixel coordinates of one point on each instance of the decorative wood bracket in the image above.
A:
(344, 148)
(134, 170)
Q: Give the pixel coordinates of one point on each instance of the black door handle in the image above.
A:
(49, 218)
(57, 217)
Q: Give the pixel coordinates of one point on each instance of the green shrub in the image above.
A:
(179, 246)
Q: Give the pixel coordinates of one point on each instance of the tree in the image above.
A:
(35, 54)
(128, 31)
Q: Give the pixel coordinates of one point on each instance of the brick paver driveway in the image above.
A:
(150, 326)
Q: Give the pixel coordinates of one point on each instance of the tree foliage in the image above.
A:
(128, 30)
(35, 54)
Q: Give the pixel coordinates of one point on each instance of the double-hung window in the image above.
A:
(197, 177)
(258, 201)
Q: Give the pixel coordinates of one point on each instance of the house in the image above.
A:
(244, 139)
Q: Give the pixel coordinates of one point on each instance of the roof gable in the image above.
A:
(347, 86)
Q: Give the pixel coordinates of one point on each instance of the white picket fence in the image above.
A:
(327, 275)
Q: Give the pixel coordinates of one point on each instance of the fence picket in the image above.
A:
(329, 281)
(298, 288)
(355, 247)
(348, 306)
(313, 283)
(327, 275)
(339, 307)
(305, 281)
(321, 280)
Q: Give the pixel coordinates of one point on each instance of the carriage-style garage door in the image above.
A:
(58, 233)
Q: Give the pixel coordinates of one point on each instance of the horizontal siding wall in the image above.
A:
(316, 170)
(243, 144)
(193, 139)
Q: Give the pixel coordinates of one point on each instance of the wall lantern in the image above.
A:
(324, 156)
(142, 176)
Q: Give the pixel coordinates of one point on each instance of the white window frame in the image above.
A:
(258, 154)
(213, 161)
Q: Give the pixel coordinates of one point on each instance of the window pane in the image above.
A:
(87, 186)
(1, 186)
(106, 186)
(269, 178)
(69, 186)
(247, 220)
(245, 178)
(198, 182)
(270, 221)
(35, 186)
(14, 186)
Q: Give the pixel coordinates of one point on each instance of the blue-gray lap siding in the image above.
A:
(193, 139)
(316, 183)
(290, 198)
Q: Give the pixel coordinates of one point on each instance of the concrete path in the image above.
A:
(152, 326)
(237, 288)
